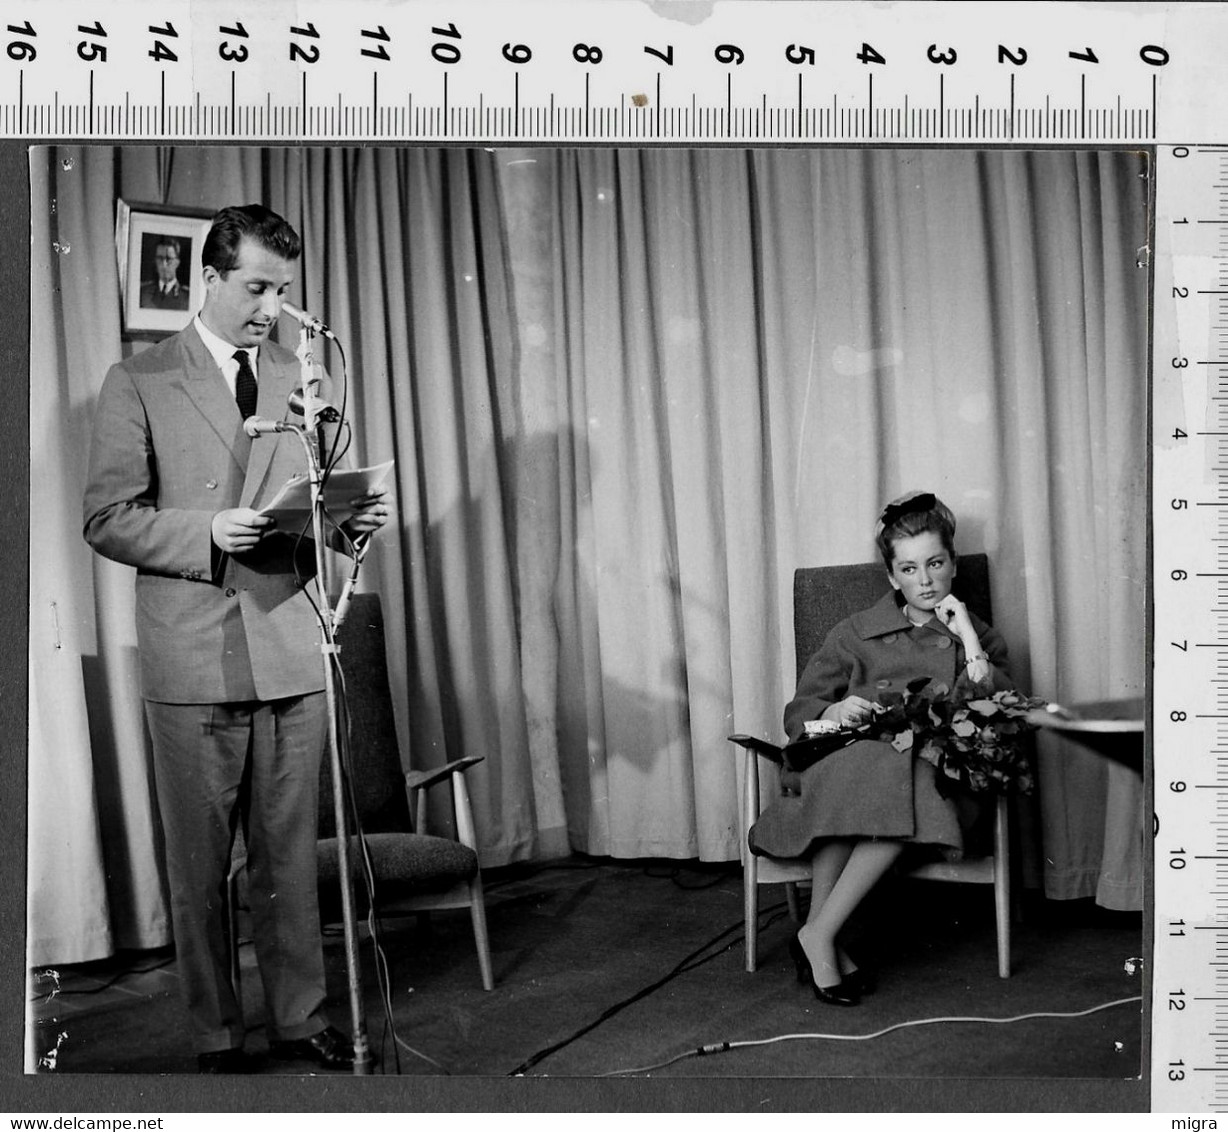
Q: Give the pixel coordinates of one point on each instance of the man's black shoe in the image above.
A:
(224, 1061)
(329, 1048)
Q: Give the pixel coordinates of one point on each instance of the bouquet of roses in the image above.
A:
(973, 741)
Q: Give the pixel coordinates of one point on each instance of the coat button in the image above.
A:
(230, 591)
(890, 638)
(211, 484)
(944, 642)
(883, 684)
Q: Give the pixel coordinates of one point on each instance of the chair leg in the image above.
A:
(477, 913)
(1002, 887)
(750, 863)
(795, 909)
(750, 909)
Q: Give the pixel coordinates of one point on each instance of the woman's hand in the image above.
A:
(852, 711)
(953, 613)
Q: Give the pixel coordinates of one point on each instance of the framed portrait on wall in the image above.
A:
(157, 248)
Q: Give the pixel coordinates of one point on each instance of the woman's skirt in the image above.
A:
(868, 789)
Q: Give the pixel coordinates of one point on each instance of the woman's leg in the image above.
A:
(864, 865)
(825, 869)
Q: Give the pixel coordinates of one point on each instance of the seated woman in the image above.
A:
(854, 811)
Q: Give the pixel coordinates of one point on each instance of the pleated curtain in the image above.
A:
(628, 393)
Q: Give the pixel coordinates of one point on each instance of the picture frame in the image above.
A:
(157, 250)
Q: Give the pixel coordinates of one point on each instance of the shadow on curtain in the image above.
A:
(628, 393)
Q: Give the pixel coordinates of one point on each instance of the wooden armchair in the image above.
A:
(822, 597)
(413, 871)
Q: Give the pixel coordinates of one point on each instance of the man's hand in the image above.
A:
(371, 512)
(239, 529)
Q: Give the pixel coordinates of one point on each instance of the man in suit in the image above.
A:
(231, 669)
(165, 293)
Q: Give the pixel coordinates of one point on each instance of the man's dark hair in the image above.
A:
(254, 221)
(171, 242)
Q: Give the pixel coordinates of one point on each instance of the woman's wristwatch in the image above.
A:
(970, 661)
(974, 652)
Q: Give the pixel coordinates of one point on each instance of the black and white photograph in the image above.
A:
(161, 286)
(738, 675)
(156, 247)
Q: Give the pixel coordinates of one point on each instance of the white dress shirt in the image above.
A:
(223, 353)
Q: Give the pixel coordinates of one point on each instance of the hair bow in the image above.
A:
(893, 512)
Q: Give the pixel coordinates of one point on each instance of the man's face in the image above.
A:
(242, 307)
(167, 260)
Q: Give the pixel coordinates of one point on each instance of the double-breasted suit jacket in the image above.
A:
(169, 453)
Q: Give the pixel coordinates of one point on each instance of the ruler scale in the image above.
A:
(311, 120)
(1190, 480)
(607, 72)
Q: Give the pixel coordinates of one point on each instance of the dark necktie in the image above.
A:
(245, 386)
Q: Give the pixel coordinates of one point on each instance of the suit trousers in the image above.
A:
(257, 763)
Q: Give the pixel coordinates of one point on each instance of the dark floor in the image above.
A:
(604, 968)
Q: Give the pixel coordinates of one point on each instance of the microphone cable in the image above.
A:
(724, 1047)
(336, 452)
(334, 455)
(367, 870)
(695, 959)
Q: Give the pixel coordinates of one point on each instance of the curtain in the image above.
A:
(628, 393)
(759, 349)
(94, 884)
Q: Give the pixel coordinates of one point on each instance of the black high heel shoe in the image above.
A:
(860, 981)
(840, 994)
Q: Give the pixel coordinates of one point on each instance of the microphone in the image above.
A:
(259, 426)
(308, 320)
(323, 410)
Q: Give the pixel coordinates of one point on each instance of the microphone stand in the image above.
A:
(313, 445)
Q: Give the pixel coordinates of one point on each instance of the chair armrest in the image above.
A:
(461, 810)
(762, 747)
(419, 779)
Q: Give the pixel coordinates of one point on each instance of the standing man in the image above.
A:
(231, 669)
(165, 292)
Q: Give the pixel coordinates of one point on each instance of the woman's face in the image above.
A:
(922, 569)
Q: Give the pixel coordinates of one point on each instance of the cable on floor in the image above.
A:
(689, 963)
(724, 1047)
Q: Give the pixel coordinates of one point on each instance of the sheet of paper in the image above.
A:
(291, 506)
